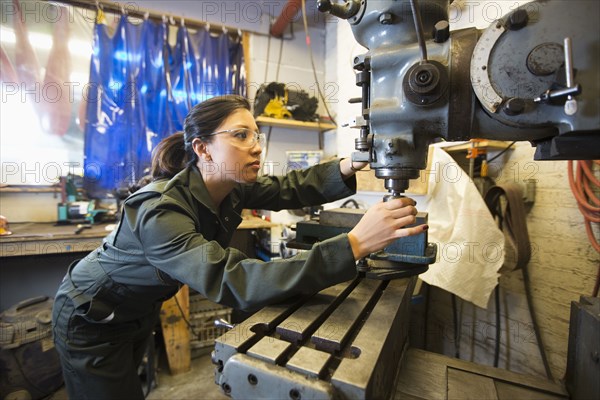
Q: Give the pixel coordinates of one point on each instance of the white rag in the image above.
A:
(470, 245)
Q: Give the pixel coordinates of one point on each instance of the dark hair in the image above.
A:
(175, 152)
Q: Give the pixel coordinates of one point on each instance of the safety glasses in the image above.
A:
(244, 137)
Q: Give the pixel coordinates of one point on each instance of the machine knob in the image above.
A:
(345, 10)
(324, 5)
(441, 31)
(514, 106)
(518, 20)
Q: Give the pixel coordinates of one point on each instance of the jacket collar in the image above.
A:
(191, 177)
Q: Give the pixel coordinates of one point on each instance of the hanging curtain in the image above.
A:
(114, 115)
(141, 89)
(237, 77)
(154, 90)
(182, 63)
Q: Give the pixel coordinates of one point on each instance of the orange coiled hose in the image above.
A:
(585, 186)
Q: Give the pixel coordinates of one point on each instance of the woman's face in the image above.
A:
(235, 150)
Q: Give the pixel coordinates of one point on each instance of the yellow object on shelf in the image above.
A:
(276, 108)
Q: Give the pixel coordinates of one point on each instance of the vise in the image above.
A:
(406, 256)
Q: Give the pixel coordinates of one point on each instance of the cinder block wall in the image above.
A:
(563, 267)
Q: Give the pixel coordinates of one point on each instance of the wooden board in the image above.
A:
(294, 124)
(175, 331)
(487, 144)
(251, 222)
(434, 376)
(463, 385)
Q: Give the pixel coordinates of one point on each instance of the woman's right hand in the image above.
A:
(382, 224)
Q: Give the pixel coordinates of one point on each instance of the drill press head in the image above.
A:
(404, 94)
(513, 81)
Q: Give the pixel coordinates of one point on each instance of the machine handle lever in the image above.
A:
(552, 94)
(345, 10)
(571, 103)
(221, 323)
(81, 227)
(572, 88)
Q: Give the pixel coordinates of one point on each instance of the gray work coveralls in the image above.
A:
(170, 234)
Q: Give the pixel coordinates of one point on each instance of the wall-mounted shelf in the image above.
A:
(291, 123)
(487, 144)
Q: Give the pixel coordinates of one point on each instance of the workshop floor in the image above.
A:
(198, 383)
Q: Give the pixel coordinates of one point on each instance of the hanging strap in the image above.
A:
(512, 221)
(96, 306)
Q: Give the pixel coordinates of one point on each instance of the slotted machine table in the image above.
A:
(346, 341)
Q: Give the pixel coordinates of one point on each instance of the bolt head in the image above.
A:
(386, 19)
(514, 106)
(518, 20)
(424, 78)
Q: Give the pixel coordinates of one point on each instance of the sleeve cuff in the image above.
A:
(339, 253)
(336, 187)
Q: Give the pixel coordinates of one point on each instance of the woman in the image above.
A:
(176, 230)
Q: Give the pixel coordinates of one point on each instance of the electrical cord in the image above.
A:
(502, 152)
(585, 187)
(500, 221)
(350, 201)
(516, 226)
(279, 59)
(312, 61)
(268, 55)
(457, 328)
(266, 150)
(536, 328)
(497, 155)
(498, 330)
(281, 50)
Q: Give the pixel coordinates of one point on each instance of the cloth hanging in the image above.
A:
(182, 65)
(237, 71)
(204, 76)
(470, 244)
(114, 117)
(153, 89)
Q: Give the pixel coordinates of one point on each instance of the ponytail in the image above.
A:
(169, 157)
